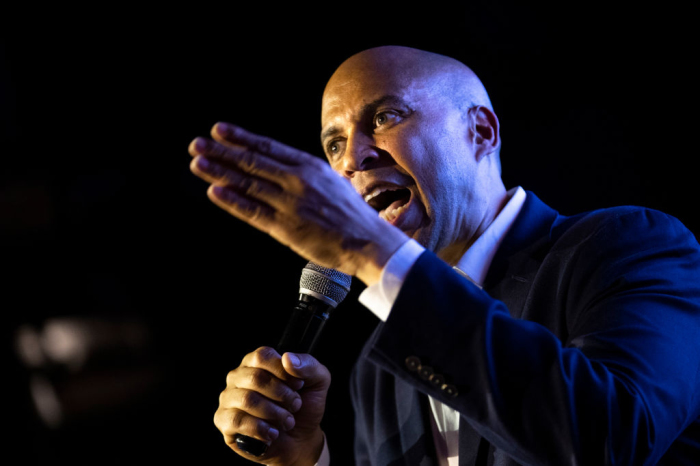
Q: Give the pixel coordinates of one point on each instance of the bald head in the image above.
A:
(404, 66)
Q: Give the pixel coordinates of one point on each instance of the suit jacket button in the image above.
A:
(450, 390)
(437, 380)
(425, 372)
(413, 363)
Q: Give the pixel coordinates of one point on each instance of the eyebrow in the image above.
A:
(369, 108)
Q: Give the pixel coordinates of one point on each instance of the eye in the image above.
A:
(334, 148)
(384, 118)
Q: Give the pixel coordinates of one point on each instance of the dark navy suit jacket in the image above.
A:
(582, 348)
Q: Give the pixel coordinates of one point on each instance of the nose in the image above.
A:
(360, 154)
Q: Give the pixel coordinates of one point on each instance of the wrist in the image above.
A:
(312, 455)
(369, 270)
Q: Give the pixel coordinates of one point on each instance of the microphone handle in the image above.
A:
(300, 336)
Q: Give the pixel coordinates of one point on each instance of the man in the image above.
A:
(537, 338)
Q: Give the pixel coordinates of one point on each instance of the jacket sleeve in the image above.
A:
(617, 388)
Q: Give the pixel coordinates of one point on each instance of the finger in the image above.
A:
(252, 211)
(257, 405)
(269, 359)
(306, 367)
(249, 185)
(243, 158)
(234, 421)
(263, 382)
(235, 136)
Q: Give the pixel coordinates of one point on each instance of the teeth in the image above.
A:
(377, 191)
(390, 215)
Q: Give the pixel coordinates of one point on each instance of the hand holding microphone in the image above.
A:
(264, 413)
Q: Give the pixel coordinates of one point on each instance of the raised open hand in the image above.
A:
(296, 198)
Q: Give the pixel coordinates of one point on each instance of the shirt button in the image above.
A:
(412, 363)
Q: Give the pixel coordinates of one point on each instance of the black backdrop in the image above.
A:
(102, 218)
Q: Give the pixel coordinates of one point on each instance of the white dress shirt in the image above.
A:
(380, 297)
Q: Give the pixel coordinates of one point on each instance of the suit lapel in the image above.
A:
(509, 279)
(519, 256)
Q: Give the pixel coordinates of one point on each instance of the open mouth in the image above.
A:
(389, 201)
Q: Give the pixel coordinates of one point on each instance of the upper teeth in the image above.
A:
(377, 191)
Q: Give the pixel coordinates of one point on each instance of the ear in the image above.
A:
(485, 131)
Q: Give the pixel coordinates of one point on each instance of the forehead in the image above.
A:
(351, 90)
(349, 93)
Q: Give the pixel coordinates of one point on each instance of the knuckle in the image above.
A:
(237, 419)
(228, 130)
(215, 170)
(231, 378)
(226, 421)
(257, 428)
(218, 150)
(250, 187)
(263, 145)
(230, 177)
(264, 355)
(258, 359)
(257, 214)
(247, 358)
(295, 184)
(246, 160)
(289, 397)
(259, 378)
(250, 400)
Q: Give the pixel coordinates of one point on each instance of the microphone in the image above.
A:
(320, 290)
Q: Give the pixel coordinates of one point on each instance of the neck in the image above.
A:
(454, 251)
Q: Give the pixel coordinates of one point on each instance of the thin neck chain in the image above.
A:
(464, 274)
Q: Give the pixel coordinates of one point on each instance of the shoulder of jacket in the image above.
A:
(621, 220)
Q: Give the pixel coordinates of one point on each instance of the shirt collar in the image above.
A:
(476, 261)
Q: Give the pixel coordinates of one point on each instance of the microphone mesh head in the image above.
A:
(330, 283)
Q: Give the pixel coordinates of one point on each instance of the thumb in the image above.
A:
(306, 367)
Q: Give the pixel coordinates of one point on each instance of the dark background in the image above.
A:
(101, 219)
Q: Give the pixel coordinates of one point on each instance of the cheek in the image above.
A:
(429, 162)
(414, 159)
(411, 155)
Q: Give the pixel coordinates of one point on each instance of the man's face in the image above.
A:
(405, 148)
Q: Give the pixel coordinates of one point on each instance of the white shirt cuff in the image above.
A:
(379, 298)
(325, 458)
